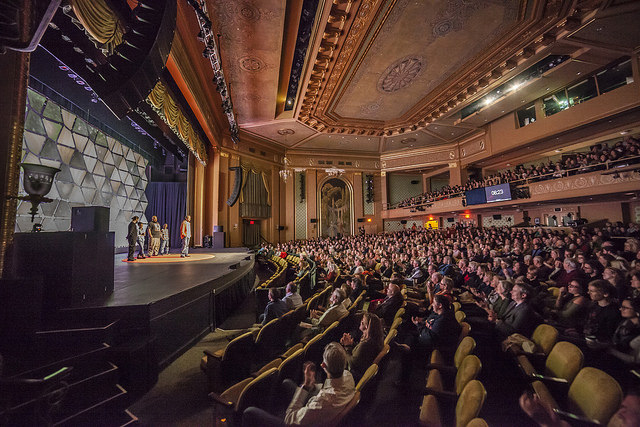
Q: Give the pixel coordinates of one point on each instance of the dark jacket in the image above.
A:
(443, 333)
(132, 233)
(519, 319)
(387, 310)
(274, 310)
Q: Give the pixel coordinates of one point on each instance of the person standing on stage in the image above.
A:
(185, 235)
(164, 240)
(154, 236)
(141, 233)
(132, 237)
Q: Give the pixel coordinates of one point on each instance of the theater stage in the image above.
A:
(161, 306)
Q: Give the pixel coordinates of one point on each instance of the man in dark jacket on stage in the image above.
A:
(132, 237)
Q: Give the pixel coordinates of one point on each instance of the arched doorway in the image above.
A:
(336, 208)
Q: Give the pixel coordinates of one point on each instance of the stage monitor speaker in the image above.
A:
(90, 218)
(218, 228)
(313, 220)
(237, 186)
(403, 221)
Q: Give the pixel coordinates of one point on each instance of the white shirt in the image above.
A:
(322, 408)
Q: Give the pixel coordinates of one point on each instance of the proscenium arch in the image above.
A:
(319, 202)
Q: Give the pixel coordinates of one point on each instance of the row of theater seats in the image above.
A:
(557, 375)
(261, 388)
(280, 270)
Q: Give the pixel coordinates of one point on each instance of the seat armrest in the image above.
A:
(210, 354)
(556, 380)
(441, 393)
(576, 417)
(219, 400)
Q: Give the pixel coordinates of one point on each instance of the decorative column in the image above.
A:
(457, 174)
(198, 204)
(14, 77)
(211, 191)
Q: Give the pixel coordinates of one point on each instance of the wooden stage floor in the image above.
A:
(153, 279)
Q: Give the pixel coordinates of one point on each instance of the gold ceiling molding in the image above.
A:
(163, 104)
(100, 22)
(350, 21)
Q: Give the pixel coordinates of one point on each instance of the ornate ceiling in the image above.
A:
(379, 76)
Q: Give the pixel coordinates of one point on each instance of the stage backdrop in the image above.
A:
(168, 201)
(96, 169)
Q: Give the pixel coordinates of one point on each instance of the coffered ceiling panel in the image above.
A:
(410, 141)
(420, 44)
(448, 133)
(342, 142)
(285, 132)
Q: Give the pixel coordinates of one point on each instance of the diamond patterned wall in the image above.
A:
(96, 170)
(401, 187)
(505, 221)
(300, 208)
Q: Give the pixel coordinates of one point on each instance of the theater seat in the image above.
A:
(466, 328)
(248, 392)
(460, 316)
(593, 396)
(390, 336)
(562, 365)
(228, 365)
(469, 370)
(437, 360)
(545, 337)
(467, 407)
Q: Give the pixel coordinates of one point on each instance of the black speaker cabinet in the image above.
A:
(74, 267)
(90, 218)
(218, 228)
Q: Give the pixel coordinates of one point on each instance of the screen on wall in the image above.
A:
(475, 197)
(498, 193)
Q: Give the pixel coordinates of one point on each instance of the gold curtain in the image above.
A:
(163, 104)
(266, 187)
(100, 22)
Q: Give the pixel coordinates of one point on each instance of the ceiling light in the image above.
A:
(289, 101)
(558, 150)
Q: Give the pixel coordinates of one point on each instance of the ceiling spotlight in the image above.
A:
(289, 101)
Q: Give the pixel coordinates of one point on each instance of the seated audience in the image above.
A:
(292, 298)
(275, 307)
(603, 316)
(312, 403)
(361, 355)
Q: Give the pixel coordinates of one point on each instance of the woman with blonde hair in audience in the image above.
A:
(616, 278)
(361, 356)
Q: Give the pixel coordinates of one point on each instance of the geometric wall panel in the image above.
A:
(94, 169)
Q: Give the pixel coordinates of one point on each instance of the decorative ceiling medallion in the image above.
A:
(400, 74)
(407, 140)
(454, 17)
(286, 131)
(251, 64)
(248, 12)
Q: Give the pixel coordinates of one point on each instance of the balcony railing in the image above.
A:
(608, 165)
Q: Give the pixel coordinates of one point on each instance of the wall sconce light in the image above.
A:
(37, 183)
